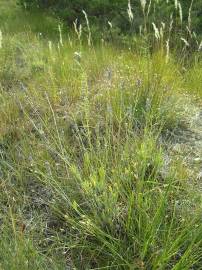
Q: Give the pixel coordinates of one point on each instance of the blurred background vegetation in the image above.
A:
(101, 12)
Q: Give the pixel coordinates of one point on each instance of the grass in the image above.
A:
(84, 179)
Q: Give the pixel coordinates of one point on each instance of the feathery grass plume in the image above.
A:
(77, 29)
(196, 40)
(180, 12)
(60, 34)
(171, 25)
(130, 13)
(195, 36)
(163, 25)
(143, 4)
(161, 32)
(185, 42)
(149, 8)
(80, 31)
(162, 28)
(167, 50)
(88, 26)
(1, 39)
(110, 24)
(75, 26)
(176, 4)
(156, 31)
(189, 16)
(189, 31)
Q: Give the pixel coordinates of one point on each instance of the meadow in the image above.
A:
(100, 148)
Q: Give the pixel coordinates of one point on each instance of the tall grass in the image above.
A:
(86, 176)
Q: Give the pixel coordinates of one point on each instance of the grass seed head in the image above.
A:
(60, 34)
(143, 4)
(156, 31)
(130, 13)
(180, 12)
(185, 42)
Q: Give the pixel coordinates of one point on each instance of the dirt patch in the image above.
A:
(186, 143)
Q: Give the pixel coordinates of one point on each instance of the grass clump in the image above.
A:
(87, 177)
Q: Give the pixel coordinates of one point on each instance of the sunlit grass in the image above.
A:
(84, 179)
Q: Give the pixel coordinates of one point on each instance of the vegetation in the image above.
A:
(91, 174)
(115, 12)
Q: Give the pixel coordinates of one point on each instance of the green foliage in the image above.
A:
(18, 252)
(91, 176)
(100, 12)
(83, 162)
